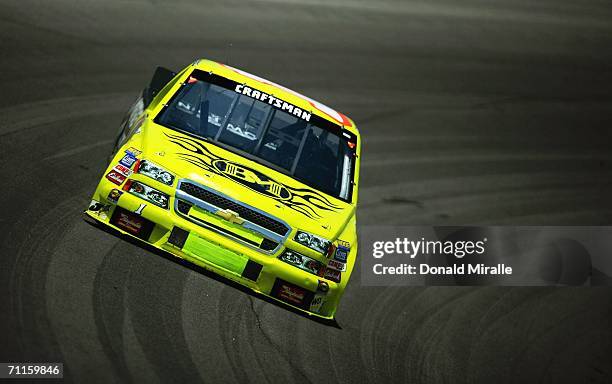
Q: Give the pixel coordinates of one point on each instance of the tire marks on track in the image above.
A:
(53, 111)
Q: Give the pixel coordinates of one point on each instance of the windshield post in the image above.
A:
(266, 127)
(300, 149)
(227, 117)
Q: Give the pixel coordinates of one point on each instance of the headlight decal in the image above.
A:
(150, 194)
(311, 241)
(154, 171)
(302, 262)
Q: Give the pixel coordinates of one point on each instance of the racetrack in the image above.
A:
(472, 112)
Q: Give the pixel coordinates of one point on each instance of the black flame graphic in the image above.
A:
(303, 200)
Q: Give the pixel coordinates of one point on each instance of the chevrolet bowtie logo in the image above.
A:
(230, 216)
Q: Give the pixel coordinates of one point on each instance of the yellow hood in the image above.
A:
(242, 179)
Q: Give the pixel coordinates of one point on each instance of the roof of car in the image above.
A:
(261, 84)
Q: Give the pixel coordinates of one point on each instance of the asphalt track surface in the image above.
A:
(472, 112)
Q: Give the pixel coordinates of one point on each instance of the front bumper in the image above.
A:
(261, 272)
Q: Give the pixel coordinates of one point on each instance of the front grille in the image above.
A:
(183, 207)
(268, 245)
(244, 212)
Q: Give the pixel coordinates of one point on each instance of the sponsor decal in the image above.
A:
(131, 223)
(276, 102)
(125, 171)
(341, 254)
(338, 266)
(339, 117)
(115, 177)
(292, 294)
(306, 201)
(133, 151)
(229, 215)
(140, 209)
(255, 180)
(114, 195)
(128, 160)
(345, 244)
(332, 275)
(317, 302)
(95, 206)
(101, 209)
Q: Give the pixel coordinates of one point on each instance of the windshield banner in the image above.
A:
(272, 100)
(278, 103)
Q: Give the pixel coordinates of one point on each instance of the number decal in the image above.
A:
(140, 209)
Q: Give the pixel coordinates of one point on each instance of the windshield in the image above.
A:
(283, 137)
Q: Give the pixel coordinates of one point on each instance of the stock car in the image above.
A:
(240, 176)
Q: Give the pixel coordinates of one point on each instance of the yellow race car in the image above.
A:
(241, 176)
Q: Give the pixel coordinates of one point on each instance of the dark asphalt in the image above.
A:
(472, 112)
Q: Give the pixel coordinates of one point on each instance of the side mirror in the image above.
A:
(161, 77)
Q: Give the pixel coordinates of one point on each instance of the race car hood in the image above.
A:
(300, 206)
